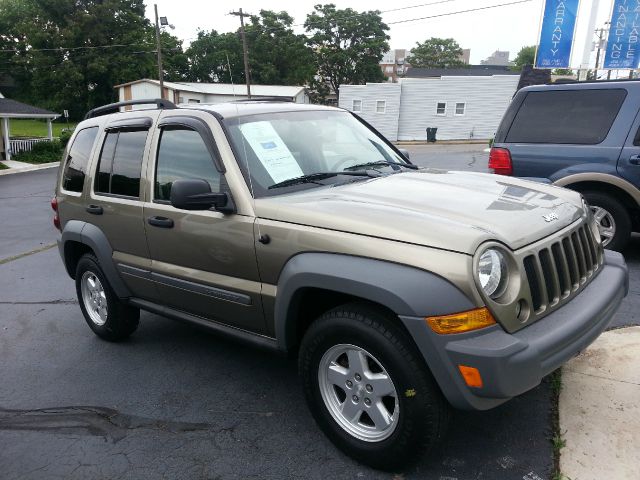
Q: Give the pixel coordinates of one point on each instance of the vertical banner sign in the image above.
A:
(556, 33)
(622, 45)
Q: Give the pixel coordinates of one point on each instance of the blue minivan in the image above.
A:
(584, 136)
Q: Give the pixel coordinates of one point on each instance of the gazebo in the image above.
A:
(13, 109)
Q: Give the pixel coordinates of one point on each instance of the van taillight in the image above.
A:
(56, 217)
(500, 161)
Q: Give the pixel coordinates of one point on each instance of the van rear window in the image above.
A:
(566, 116)
(77, 159)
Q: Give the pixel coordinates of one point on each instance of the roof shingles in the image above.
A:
(10, 107)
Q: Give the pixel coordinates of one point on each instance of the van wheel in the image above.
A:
(614, 222)
(368, 388)
(105, 313)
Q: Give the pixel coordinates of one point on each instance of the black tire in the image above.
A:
(121, 319)
(423, 412)
(620, 216)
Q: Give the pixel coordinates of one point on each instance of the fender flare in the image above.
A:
(94, 238)
(598, 177)
(403, 289)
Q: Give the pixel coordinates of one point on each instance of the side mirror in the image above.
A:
(195, 194)
(404, 152)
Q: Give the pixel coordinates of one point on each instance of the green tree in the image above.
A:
(277, 56)
(436, 53)
(216, 57)
(348, 45)
(69, 54)
(526, 56)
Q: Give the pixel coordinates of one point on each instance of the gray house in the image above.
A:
(460, 106)
(13, 109)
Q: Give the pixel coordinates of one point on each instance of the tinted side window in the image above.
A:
(121, 163)
(183, 154)
(103, 175)
(566, 116)
(77, 160)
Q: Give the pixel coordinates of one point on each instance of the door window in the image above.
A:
(183, 154)
(120, 163)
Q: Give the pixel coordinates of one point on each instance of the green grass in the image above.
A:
(23, 127)
(3, 166)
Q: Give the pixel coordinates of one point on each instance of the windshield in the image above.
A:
(276, 147)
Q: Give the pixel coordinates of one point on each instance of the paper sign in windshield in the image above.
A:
(271, 151)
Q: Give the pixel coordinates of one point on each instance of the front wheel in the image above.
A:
(104, 312)
(368, 389)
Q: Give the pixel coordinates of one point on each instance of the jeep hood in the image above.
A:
(454, 211)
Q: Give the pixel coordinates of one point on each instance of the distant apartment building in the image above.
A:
(499, 57)
(393, 64)
(466, 55)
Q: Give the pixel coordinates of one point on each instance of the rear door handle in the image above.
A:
(634, 159)
(94, 209)
(162, 222)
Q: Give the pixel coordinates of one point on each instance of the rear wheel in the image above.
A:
(108, 317)
(368, 388)
(614, 222)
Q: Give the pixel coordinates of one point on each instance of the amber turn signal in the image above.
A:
(461, 322)
(471, 376)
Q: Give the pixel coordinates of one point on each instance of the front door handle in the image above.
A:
(162, 222)
(94, 209)
(634, 159)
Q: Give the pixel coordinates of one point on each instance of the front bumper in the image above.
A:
(511, 364)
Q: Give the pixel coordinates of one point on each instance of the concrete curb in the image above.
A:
(32, 168)
(599, 410)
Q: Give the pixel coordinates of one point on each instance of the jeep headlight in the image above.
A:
(492, 272)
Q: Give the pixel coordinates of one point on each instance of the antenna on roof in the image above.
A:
(244, 148)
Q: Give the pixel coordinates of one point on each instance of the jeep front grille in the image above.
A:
(558, 270)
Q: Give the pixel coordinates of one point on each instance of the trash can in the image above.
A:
(431, 134)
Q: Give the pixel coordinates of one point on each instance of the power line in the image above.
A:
(56, 49)
(458, 12)
(416, 6)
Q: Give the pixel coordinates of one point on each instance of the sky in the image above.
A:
(505, 28)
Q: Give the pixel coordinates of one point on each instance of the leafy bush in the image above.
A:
(42, 152)
(65, 135)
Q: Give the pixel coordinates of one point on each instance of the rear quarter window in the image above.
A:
(75, 167)
(566, 116)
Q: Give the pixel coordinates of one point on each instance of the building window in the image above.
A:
(460, 108)
(356, 106)
(389, 69)
(441, 108)
(381, 106)
(194, 100)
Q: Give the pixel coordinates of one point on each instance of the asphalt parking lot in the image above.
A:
(174, 402)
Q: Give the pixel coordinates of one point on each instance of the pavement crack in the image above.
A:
(88, 420)
(603, 377)
(43, 302)
(26, 254)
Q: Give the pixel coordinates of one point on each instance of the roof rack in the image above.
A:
(115, 107)
(257, 98)
(564, 81)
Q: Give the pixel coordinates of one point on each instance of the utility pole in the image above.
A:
(600, 33)
(244, 48)
(160, 74)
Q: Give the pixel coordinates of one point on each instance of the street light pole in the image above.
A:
(160, 74)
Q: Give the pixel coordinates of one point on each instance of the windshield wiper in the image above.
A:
(312, 177)
(380, 163)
